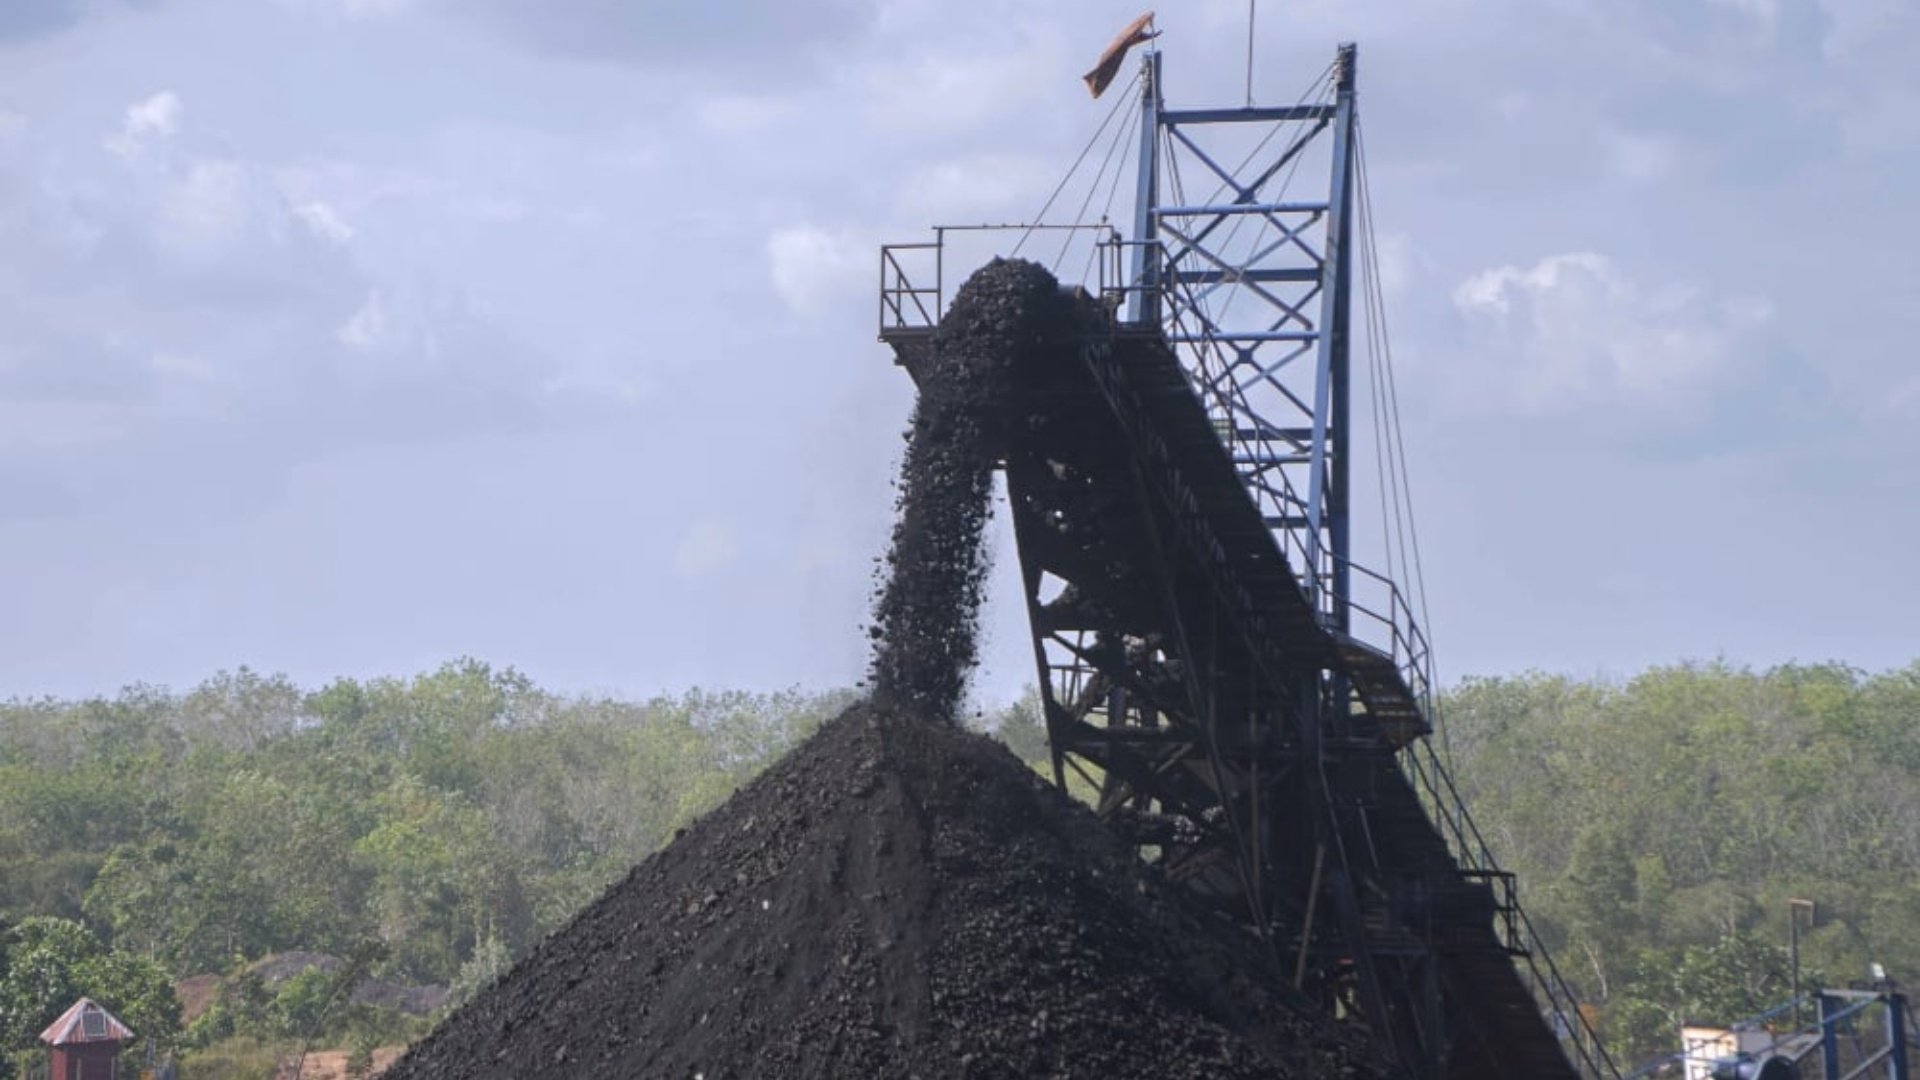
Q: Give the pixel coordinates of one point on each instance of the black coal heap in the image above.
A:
(898, 897)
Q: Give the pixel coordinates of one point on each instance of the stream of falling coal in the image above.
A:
(926, 614)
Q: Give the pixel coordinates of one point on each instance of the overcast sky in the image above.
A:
(343, 337)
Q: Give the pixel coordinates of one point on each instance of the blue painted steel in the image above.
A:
(1244, 208)
(1245, 335)
(1336, 294)
(1143, 305)
(1897, 1034)
(1267, 114)
(1829, 1034)
(1254, 279)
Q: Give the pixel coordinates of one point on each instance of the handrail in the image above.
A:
(903, 305)
(1471, 851)
(909, 307)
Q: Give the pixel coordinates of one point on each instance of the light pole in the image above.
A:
(1794, 908)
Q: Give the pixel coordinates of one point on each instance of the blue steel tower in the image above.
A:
(1254, 288)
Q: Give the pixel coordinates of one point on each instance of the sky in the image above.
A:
(346, 337)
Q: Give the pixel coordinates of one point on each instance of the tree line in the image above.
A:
(1660, 825)
(433, 827)
(440, 823)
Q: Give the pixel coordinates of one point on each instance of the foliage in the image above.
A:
(489, 961)
(454, 818)
(51, 962)
(1660, 825)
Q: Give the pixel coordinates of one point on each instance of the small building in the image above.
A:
(86, 1043)
(1703, 1047)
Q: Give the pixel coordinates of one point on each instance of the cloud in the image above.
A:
(1575, 331)
(20, 19)
(367, 330)
(147, 122)
(755, 41)
(178, 310)
(813, 267)
(324, 221)
(1400, 263)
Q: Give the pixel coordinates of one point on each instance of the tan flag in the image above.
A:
(1103, 72)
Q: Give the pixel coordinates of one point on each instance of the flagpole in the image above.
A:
(1250, 6)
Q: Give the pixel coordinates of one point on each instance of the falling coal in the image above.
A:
(926, 624)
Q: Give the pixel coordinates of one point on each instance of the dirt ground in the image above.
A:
(332, 1064)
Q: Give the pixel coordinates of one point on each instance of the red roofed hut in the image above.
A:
(86, 1043)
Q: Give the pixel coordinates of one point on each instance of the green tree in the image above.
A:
(52, 962)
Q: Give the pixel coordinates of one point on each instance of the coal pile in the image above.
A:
(895, 899)
(899, 897)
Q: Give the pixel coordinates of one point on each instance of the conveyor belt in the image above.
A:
(1192, 678)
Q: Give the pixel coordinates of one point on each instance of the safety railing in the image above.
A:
(909, 304)
(1783, 1032)
(904, 305)
(1551, 990)
(1395, 631)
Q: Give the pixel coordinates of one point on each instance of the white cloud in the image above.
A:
(1401, 263)
(324, 221)
(1575, 330)
(813, 267)
(369, 329)
(147, 122)
(208, 209)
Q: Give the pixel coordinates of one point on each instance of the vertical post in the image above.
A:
(1897, 1035)
(1143, 306)
(1338, 334)
(1829, 1036)
(1326, 485)
(1794, 908)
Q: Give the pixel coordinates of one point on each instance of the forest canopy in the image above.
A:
(434, 827)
